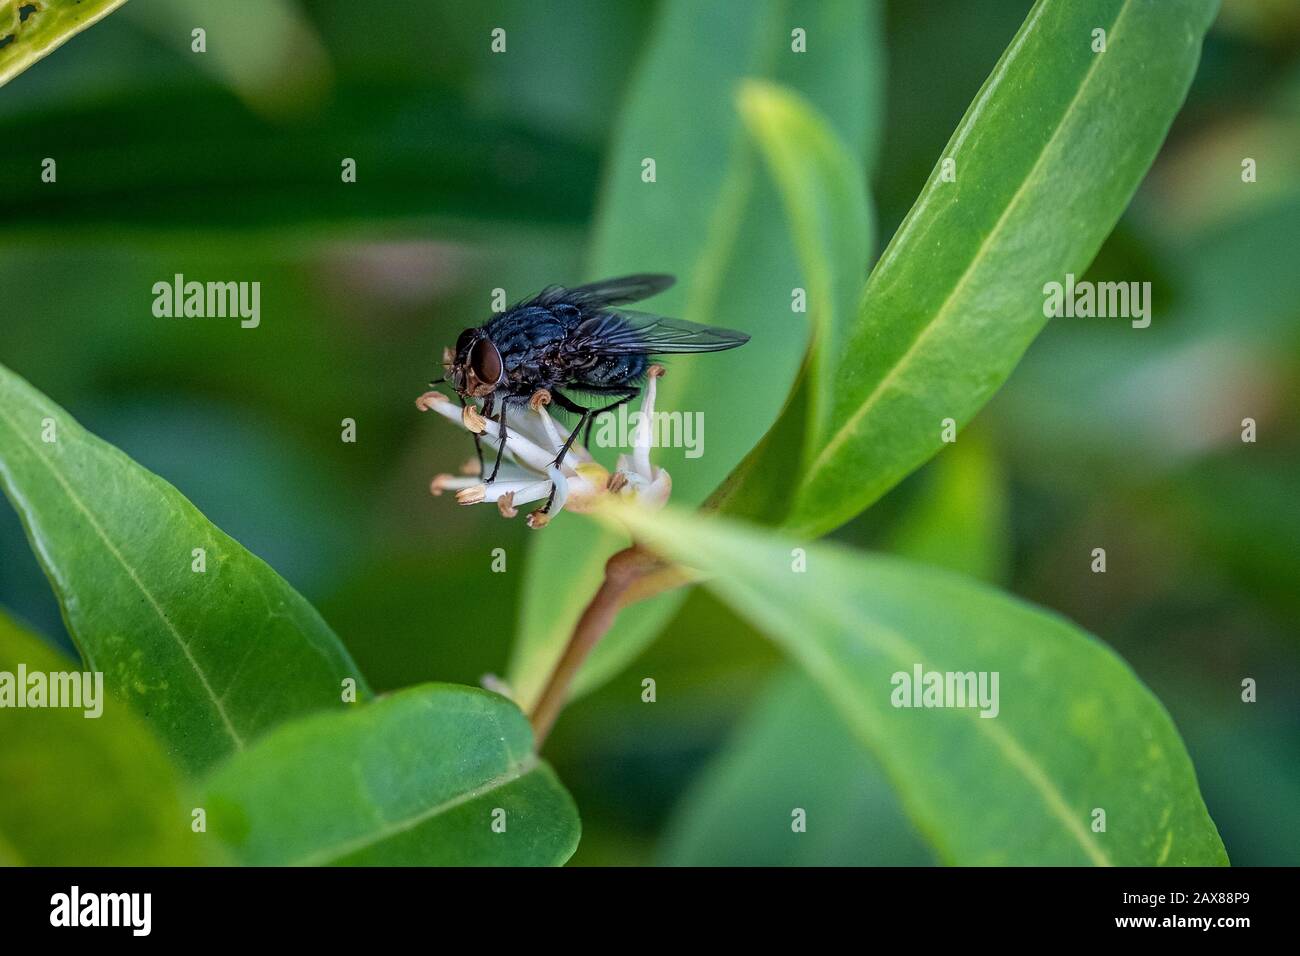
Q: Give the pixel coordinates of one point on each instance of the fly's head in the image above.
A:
(474, 366)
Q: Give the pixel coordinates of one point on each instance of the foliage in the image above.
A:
(229, 692)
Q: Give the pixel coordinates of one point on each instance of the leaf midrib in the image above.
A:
(904, 653)
(845, 431)
(80, 505)
(357, 844)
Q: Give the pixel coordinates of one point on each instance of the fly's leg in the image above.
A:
(627, 393)
(587, 417)
(569, 405)
(501, 448)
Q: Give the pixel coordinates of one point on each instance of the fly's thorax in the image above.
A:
(525, 329)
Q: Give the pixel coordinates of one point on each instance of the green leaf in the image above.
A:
(31, 29)
(713, 219)
(209, 659)
(792, 752)
(1233, 744)
(824, 192)
(249, 49)
(414, 779)
(1085, 397)
(1046, 159)
(831, 223)
(83, 791)
(445, 174)
(1075, 730)
(959, 521)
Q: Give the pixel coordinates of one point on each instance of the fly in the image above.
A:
(576, 340)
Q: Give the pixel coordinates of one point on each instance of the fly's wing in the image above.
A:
(622, 332)
(623, 290)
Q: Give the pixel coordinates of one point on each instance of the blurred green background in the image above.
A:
(477, 172)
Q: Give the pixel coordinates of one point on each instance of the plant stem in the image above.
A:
(621, 571)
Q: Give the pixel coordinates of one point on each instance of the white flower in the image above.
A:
(533, 442)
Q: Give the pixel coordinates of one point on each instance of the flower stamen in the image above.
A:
(470, 417)
(538, 465)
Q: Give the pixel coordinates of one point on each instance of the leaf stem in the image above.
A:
(622, 571)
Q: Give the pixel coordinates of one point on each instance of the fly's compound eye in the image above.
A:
(485, 362)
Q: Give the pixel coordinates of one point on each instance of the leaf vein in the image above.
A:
(846, 430)
(76, 501)
(357, 844)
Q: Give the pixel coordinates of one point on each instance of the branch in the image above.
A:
(622, 571)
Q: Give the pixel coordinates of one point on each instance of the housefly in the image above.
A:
(577, 341)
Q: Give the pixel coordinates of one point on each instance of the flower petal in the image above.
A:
(443, 483)
(524, 451)
(645, 426)
(528, 490)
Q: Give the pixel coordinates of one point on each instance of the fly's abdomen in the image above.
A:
(612, 370)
